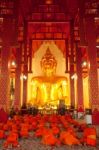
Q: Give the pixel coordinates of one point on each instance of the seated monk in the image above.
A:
(1, 126)
(67, 138)
(14, 127)
(12, 139)
(5, 127)
(24, 132)
(2, 134)
(89, 136)
(49, 139)
(55, 130)
(71, 131)
(34, 125)
(64, 122)
(41, 131)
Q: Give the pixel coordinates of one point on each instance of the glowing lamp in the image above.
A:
(84, 64)
(48, 1)
(24, 77)
(13, 63)
(74, 76)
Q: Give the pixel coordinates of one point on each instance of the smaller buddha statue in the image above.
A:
(49, 88)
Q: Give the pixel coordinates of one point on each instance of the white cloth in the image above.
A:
(88, 119)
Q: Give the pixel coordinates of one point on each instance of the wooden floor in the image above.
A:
(34, 144)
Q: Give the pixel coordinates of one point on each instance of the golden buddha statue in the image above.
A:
(49, 88)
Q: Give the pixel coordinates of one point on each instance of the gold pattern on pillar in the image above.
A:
(72, 91)
(81, 23)
(67, 55)
(25, 65)
(79, 78)
(92, 53)
(17, 78)
(25, 85)
(4, 79)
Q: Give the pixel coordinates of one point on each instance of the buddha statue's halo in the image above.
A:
(48, 61)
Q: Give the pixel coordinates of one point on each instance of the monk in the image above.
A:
(90, 136)
(12, 139)
(48, 138)
(2, 134)
(24, 132)
(67, 138)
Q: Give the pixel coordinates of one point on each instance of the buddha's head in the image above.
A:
(48, 63)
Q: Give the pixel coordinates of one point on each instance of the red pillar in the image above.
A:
(4, 77)
(92, 54)
(82, 23)
(30, 56)
(17, 77)
(66, 55)
(25, 71)
(25, 89)
(79, 78)
(72, 92)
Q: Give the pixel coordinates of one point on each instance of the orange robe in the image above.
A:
(2, 134)
(24, 132)
(67, 138)
(49, 139)
(11, 139)
(90, 136)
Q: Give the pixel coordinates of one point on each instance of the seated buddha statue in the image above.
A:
(49, 88)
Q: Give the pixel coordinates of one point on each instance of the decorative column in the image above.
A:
(93, 70)
(72, 91)
(66, 55)
(25, 86)
(17, 77)
(25, 67)
(30, 56)
(82, 23)
(79, 78)
(4, 77)
(82, 43)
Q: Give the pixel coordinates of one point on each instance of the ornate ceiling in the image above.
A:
(50, 19)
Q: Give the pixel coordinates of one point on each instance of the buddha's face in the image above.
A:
(48, 64)
(48, 70)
